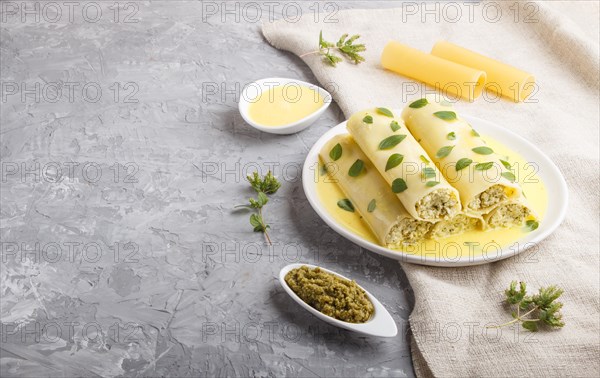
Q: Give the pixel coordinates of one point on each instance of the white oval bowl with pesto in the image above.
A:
(282, 106)
(449, 253)
(381, 324)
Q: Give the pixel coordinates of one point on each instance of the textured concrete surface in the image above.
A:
(123, 156)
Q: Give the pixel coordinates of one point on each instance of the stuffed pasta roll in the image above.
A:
(472, 167)
(369, 194)
(404, 164)
(509, 214)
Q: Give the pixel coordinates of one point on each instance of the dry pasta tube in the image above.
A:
(447, 76)
(503, 79)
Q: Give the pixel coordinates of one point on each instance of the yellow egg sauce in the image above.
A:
(470, 244)
(284, 104)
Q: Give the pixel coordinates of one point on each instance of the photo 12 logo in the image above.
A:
(50, 332)
(69, 171)
(68, 251)
(237, 172)
(453, 92)
(469, 11)
(252, 92)
(66, 91)
(53, 12)
(268, 11)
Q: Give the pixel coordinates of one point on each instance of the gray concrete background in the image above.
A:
(123, 155)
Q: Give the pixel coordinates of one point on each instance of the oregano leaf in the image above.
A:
(463, 163)
(372, 205)
(428, 172)
(531, 225)
(391, 142)
(356, 168)
(506, 164)
(419, 103)
(509, 176)
(393, 161)
(484, 166)
(346, 204)
(336, 152)
(444, 151)
(483, 150)
(446, 115)
(385, 112)
(399, 185)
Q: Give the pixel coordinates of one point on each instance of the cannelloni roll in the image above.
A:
(474, 169)
(369, 194)
(509, 214)
(404, 164)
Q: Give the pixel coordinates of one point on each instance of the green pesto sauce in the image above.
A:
(333, 296)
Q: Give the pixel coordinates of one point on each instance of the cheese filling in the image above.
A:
(508, 215)
(407, 231)
(488, 198)
(439, 204)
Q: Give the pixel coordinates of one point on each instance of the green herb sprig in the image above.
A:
(262, 186)
(344, 46)
(540, 308)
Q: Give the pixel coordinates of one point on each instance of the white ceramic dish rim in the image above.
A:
(549, 173)
(244, 103)
(381, 323)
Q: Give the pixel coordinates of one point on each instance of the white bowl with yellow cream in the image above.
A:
(282, 106)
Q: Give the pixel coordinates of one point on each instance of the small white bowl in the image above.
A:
(253, 91)
(381, 323)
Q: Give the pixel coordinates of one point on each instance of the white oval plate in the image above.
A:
(381, 323)
(550, 174)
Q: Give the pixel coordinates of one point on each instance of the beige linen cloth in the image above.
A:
(559, 45)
